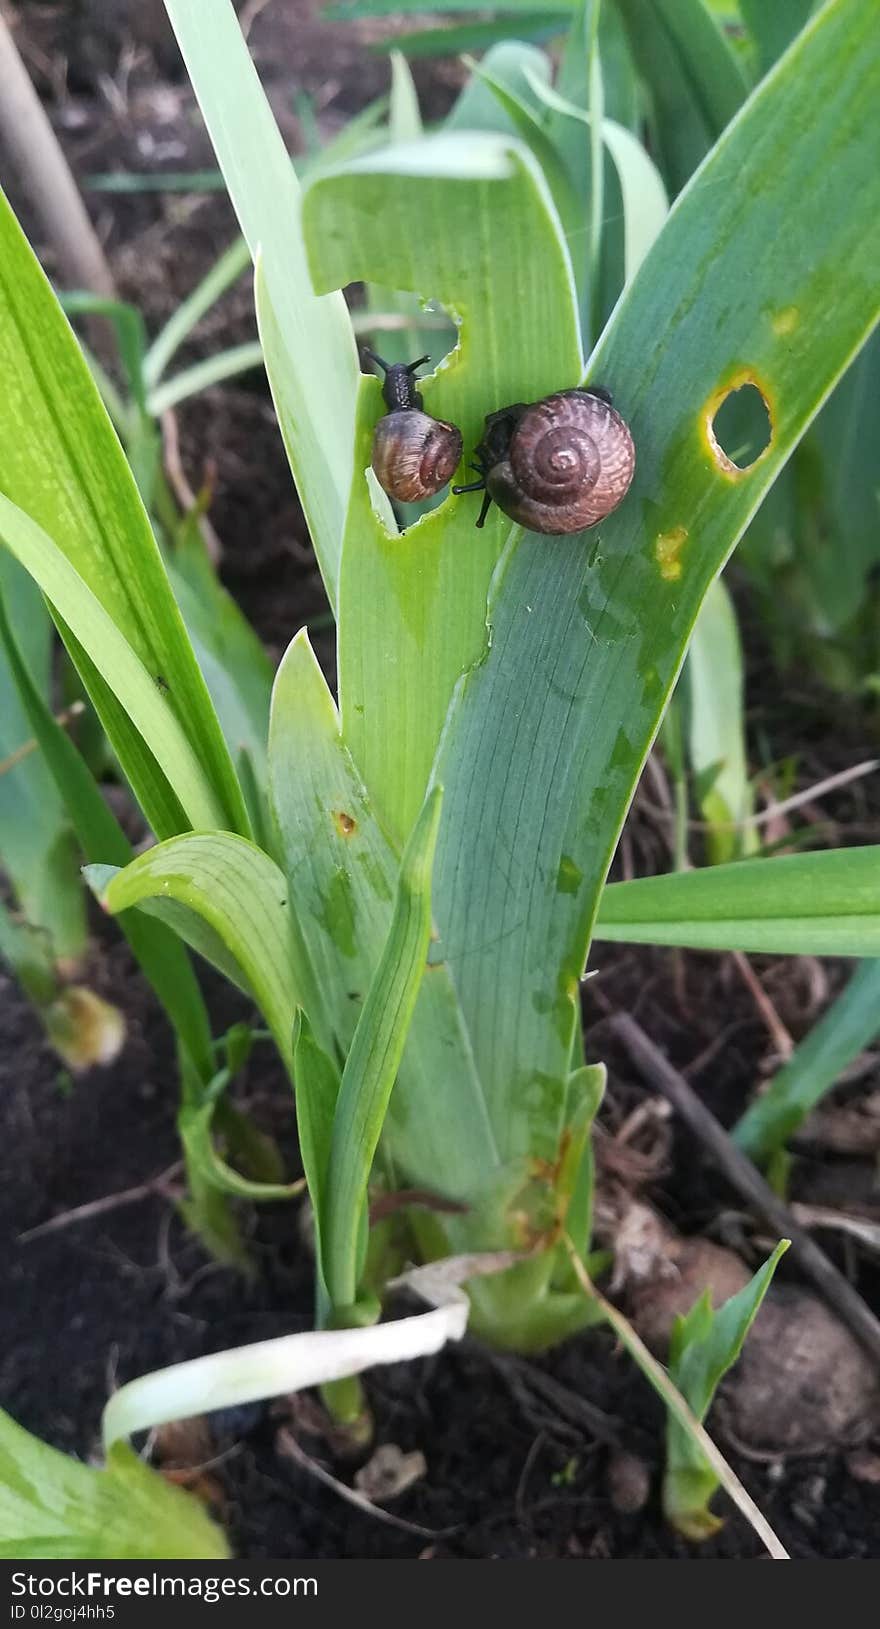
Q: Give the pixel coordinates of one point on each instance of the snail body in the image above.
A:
(414, 456)
(555, 466)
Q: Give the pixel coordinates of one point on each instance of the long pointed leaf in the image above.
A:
(102, 840)
(36, 849)
(376, 1050)
(342, 871)
(543, 750)
(311, 357)
(704, 1345)
(145, 696)
(412, 609)
(849, 1025)
(824, 904)
(60, 462)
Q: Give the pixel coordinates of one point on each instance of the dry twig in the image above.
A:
(288, 1446)
(34, 149)
(161, 1184)
(777, 1031)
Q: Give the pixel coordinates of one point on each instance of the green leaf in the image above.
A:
(586, 1087)
(317, 1091)
(580, 83)
(146, 697)
(529, 126)
(225, 271)
(195, 1126)
(311, 358)
(53, 1508)
(212, 370)
(695, 82)
(61, 463)
(549, 732)
(366, 222)
(36, 848)
(558, 700)
(411, 339)
(643, 195)
(812, 549)
(509, 63)
(621, 90)
(703, 1346)
(342, 871)
(25, 949)
(774, 26)
(454, 38)
(848, 1026)
(373, 1060)
(230, 902)
(101, 838)
(404, 116)
(716, 727)
(129, 328)
(825, 904)
(236, 668)
(344, 9)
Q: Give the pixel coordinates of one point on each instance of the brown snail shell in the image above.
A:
(414, 456)
(559, 465)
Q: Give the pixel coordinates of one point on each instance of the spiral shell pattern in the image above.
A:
(570, 462)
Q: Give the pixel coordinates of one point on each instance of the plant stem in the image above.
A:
(34, 149)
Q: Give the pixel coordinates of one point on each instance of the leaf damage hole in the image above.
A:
(739, 425)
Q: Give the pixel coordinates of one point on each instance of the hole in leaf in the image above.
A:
(741, 428)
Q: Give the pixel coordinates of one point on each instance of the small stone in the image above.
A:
(864, 1466)
(629, 1483)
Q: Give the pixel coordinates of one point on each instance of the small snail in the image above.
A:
(413, 455)
(558, 465)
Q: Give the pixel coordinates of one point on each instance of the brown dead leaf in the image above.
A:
(389, 1473)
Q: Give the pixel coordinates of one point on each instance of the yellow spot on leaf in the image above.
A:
(667, 552)
(786, 321)
(344, 823)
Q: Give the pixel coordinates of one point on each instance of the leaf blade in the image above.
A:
(311, 358)
(801, 904)
(61, 463)
(53, 1507)
(241, 896)
(374, 1057)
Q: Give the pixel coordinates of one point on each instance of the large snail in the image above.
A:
(558, 465)
(414, 456)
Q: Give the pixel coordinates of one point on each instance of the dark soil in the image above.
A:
(103, 1300)
(508, 1475)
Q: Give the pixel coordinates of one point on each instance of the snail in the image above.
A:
(414, 456)
(554, 466)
